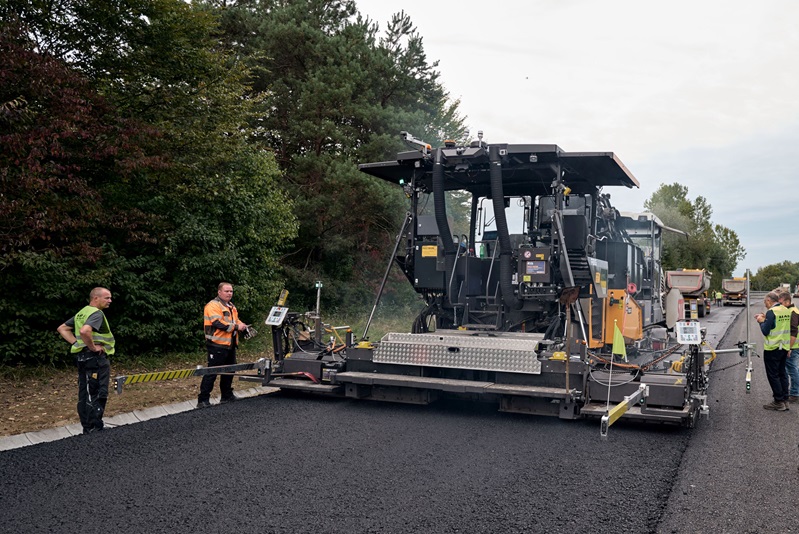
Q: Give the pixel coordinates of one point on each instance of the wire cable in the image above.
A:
(609, 384)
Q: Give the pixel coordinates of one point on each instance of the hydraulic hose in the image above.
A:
(505, 251)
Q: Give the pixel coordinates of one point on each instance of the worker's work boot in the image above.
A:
(793, 398)
(203, 404)
(777, 406)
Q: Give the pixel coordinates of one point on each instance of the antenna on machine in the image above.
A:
(420, 145)
(479, 141)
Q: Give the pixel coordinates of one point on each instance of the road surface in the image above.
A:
(294, 465)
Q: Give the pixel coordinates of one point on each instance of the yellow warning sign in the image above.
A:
(429, 251)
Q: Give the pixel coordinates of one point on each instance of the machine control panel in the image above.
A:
(276, 315)
(533, 273)
(534, 265)
(689, 332)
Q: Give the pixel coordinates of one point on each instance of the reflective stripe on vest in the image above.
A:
(780, 335)
(216, 310)
(104, 337)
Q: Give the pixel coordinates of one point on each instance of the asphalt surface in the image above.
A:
(284, 464)
(739, 474)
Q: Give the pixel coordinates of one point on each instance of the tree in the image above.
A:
(336, 94)
(193, 203)
(709, 246)
(152, 151)
(62, 148)
(64, 156)
(772, 276)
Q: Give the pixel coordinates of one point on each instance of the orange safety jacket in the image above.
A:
(219, 322)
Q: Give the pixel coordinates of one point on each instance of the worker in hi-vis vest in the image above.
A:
(775, 325)
(222, 326)
(92, 343)
(792, 362)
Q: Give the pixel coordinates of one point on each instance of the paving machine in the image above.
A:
(539, 294)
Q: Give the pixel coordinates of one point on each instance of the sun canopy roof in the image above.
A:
(526, 169)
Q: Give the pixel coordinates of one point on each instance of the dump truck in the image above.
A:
(734, 291)
(693, 284)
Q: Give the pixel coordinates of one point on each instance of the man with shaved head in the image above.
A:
(92, 342)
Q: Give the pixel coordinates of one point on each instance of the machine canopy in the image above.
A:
(526, 169)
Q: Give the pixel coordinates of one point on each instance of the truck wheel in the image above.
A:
(701, 309)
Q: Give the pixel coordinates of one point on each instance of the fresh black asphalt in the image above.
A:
(277, 464)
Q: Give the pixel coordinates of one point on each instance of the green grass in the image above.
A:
(386, 319)
(154, 362)
(19, 373)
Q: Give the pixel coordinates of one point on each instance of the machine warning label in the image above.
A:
(429, 251)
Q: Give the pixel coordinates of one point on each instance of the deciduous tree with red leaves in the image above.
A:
(63, 152)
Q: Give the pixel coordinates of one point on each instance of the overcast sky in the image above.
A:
(704, 93)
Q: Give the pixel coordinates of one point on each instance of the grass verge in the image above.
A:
(36, 398)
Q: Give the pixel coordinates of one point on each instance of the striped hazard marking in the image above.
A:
(121, 381)
(154, 377)
(262, 366)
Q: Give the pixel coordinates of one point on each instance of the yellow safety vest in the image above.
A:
(780, 335)
(104, 337)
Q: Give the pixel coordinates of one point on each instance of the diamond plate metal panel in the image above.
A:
(507, 352)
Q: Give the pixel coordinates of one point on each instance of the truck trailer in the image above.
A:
(734, 291)
(693, 284)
